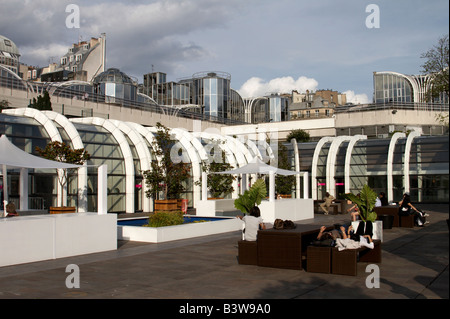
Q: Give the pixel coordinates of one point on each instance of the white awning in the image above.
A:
(256, 166)
(13, 157)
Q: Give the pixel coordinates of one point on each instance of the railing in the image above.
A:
(64, 92)
(435, 107)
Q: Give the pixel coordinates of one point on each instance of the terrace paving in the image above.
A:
(414, 266)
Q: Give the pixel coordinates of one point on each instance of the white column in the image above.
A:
(23, 189)
(102, 197)
(204, 186)
(271, 186)
(5, 189)
(297, 167)
(305, 185)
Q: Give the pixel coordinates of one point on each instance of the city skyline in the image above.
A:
(265, 46)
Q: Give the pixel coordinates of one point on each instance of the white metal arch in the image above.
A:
(411, 136)
(126, 152)
(186, 139)
(315, 160)
(389, 166)
(77, 143)
(54, 136)
(331, 163)
(348, 159)
(143, 153)
(228, 153)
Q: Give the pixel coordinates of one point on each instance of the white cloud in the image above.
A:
(255, 87)
(354, 98)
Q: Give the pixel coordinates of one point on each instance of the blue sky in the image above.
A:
(265, 45)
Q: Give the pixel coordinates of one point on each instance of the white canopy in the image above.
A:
(256, 166)
(13, 157)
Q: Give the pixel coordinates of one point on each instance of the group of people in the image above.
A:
(344, 237)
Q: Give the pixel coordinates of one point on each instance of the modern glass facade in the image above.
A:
(414, 163)
(368, 163)
(391, 87)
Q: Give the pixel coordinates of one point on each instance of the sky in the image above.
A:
(266, 46)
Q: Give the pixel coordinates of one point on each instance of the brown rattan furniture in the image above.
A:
(407, 221)
(389, 210)
(247, 252)
(285, 248)
(318, 259)
(345, 262)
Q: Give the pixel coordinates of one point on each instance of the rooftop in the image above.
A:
(414, 266)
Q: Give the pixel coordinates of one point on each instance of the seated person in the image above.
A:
(253, 223)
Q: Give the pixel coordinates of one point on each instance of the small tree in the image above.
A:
(300, 136)
(437, 66)
(4, 104)
(166, 175)
(283, 184)
(61, 152)
(42, 103)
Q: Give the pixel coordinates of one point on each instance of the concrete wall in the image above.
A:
(36, 238)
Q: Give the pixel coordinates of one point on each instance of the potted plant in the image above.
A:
(365, 202)
(61, 152)
(167, 178)
(219, 185)
(251, 197)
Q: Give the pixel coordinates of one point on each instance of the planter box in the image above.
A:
(62, 210)
(170, 233)
(166, 204)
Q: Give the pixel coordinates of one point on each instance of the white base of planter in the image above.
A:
(377, 229)
(170, 233)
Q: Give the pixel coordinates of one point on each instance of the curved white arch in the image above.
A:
(51, 130)
(411, 136)
(420, 84)
(77, 143)
(228, 153)
(315, 159)
(143, 153)
(186, 139)
(331, 163)
(390, 162)
(348, 159)
(126, 152)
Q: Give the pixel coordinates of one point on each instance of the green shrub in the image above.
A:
(162, 218)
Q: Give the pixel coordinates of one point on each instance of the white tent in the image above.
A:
(13, 157)
(256, 166)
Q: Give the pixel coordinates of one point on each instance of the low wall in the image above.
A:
(36, 238)
(292, 209)
(208, 208)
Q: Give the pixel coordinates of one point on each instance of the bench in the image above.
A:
(331, 260)
(285, 248)
(247, 252)
(399, 221)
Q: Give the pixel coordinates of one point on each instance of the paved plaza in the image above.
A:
(414, 266)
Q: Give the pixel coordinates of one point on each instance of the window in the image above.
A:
(63, 60)
(7, 43)
(317, 113)
(327, 112)
(308, 113)
(78, 57)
